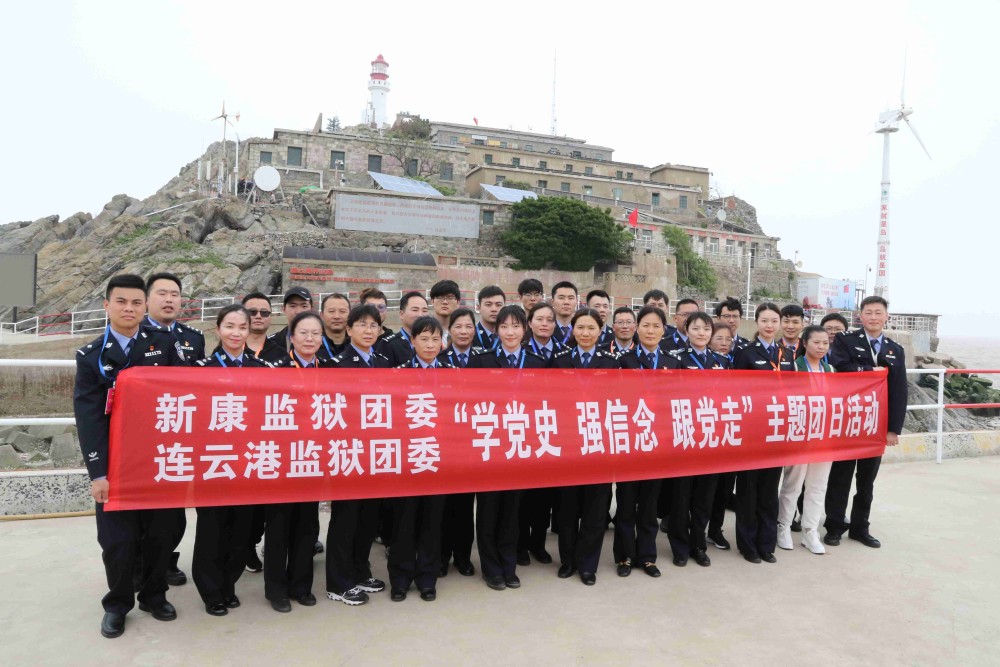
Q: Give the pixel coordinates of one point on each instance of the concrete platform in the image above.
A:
(930, 596)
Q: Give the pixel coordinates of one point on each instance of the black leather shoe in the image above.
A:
(831, 539)
(651, 569)
(680, 561)
(768, 557)
(624, 569)
(663, 525)
(588, 578)
(112, 625)
(699, 556)
(542, 556)
(318, 548)
(565, 571)
(232, 602)
(428, 595)
(397, 595)
(496, 583)
(751, 557)
(523, 558)
(512, 581)
(796, 526)
(443, 572)
(866, 540)
(175, 577)
(161, 611)
(217, 609)
(306, 600)
(282, 605)
(466, 569)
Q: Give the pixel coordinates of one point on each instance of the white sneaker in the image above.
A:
(811, 541)
(785, 537)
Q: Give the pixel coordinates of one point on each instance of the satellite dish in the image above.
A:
(720, 215)
(266, 178)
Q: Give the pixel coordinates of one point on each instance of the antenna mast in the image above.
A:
(553, 93)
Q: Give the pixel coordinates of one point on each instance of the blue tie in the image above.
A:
(586, 359)
(511, 360)
(463, 359)
(875, 345)
(128, 347)
(545, 353)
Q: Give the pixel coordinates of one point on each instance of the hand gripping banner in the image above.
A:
(190, 437)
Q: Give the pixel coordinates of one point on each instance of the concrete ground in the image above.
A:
(930, 596)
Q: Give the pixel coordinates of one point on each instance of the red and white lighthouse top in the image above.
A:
(379, 67)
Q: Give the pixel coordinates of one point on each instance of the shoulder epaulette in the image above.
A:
(562, 353)
(202, 362)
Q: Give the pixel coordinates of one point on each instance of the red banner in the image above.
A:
(198, 437)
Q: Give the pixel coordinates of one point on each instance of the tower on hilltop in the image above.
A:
(378, 86)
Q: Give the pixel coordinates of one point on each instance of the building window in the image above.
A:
(375, 163)
(713, 245)
(628, 176)
(589, 171)
(619, 174)
(617, 192)
(335, 157)
(515, 161)
(600, 156)
(487, 217)
(447, 172)
(499, 180)
(576, 154)
(684, 202)
(564, 187)
(488, 158)
(412, 167)
(730, 247)
(588, 189)
(569, 168)
(553, 151)
(656, 199)
(543, 184)
(503, 144)
(479, 142)
(529, 147)
(294, 156)
(265, 157)
(542, 164)
(454, 141)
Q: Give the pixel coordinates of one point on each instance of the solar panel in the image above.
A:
(512, 195)
(400, 184)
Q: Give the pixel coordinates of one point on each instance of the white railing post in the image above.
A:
(940, 424)
(202, 311)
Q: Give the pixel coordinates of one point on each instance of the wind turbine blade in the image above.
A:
(917, 136)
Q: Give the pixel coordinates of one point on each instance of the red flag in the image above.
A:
(476, 121)
(633, 218)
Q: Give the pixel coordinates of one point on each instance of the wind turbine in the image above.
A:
(888, 123)
(225, 121)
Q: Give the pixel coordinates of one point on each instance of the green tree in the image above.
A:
(516, 185)
(692, 270)
(565, 234)
(333, 124)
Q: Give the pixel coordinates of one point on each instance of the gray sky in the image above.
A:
(778, 101)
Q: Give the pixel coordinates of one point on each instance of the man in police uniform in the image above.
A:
(163, 305)
(129, 535)
(276, 347)
(600, 301)
(867, 349)
(730, 312)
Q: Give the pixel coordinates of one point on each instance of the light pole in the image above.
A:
(749, 267)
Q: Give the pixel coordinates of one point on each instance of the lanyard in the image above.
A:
(654, 357)
(781, 356)
(569, 333)
(616, 346)
(221, 359)
(327, 346)
(480, 330)
(694, 357)
(100, 355)
(538, 349)
(872, 349)
(502, 355)
(809, 369)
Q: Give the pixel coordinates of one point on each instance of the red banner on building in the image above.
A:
(196, 437)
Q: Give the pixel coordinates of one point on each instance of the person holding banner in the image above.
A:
(497, 511)
(291, 529)
(814, 344)
(691, 496)
(415, 556)
(635, 518)
(541, 327)
(757, 490)
(222, 532)
(583, 509)
(127, 537)
(354, 523)
(458, 528)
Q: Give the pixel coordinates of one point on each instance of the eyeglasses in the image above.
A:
(448, 298)
(370, 326)
(623, 323)
(254, 312)
(380, 307)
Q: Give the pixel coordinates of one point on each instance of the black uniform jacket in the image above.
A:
(712, 361)
(632, 360)
(571, 358)
(852, 352)
(498, 359)
(450, 355)
(754, 357)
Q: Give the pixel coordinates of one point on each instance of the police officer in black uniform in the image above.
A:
(867, 349)
(276, 347)
(730, 313)
(334, 310)
(396, 347)
(128, 535)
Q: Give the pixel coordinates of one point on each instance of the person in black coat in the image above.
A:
(354, 523)
(868, 349)
(277, 346)
(126, 536)
(497, 511)
(223, 531)
(757, 490)
(583, 509)
(396, 347)
(635, 516)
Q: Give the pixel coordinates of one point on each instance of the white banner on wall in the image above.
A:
(403, 215)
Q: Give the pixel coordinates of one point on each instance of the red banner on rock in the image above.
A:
(197, 437)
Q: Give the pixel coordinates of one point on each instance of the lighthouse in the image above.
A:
(378, 86)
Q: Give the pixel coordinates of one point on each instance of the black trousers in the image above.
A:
(725, 481)
(458, 527)
(497, 531)
(534, 517)
(290, 533)
(839, 488)
(256, 526)
(691, 501)
(415, 556)
(137, 538)
(583, 518)
(757, 510)
(220, 552)
(349, 539)
(635, 521)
